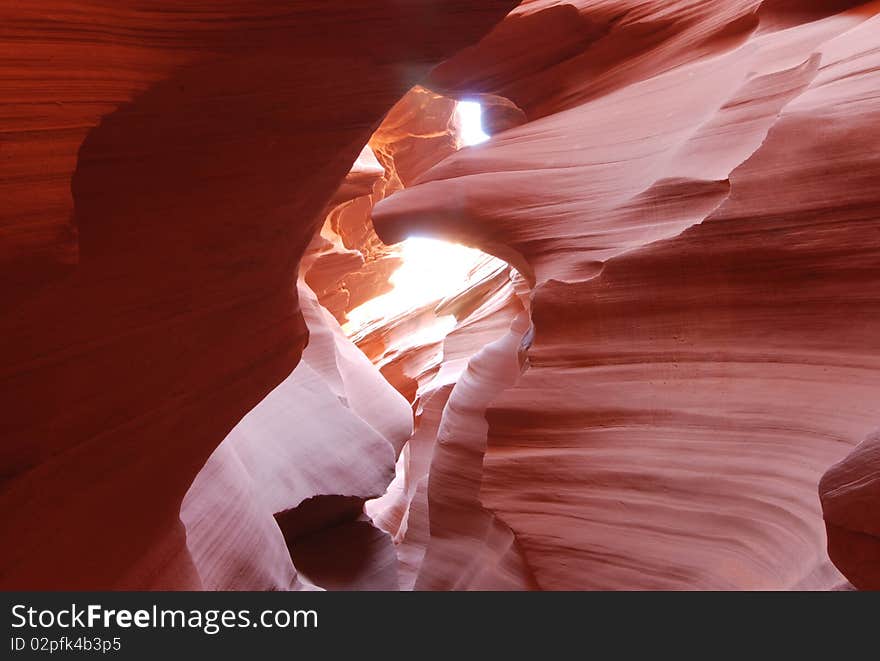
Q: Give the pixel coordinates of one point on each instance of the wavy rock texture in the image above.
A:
(164, 169)
(691, 200)
(346, 263)
(333, 428)
(850, 493)
(686, 190)
(433, 498)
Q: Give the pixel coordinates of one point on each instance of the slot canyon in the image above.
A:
(440, 295)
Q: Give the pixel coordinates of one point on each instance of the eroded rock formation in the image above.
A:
(164, 170)
(850, 492)
(685, 340)
(690, 197)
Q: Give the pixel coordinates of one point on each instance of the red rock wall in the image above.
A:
(687, 189)
(164, 168)
(850, 494)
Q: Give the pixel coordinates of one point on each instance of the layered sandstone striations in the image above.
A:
(164, 169)
(691, 200)
(850, 493)
(194, 196)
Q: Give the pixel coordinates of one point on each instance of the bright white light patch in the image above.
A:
(432, 270)
(469, 116)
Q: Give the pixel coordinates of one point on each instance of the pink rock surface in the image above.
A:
(333, 428)
(686, 190)
(433, 504)
(695, 216)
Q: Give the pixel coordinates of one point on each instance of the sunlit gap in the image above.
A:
(431, 270)
(469, 118)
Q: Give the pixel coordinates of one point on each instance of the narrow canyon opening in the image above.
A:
(397, 298)
(384, 311)
(430, 269)
(436, 286)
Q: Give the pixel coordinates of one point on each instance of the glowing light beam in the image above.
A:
(431, 270)
(469, 117)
